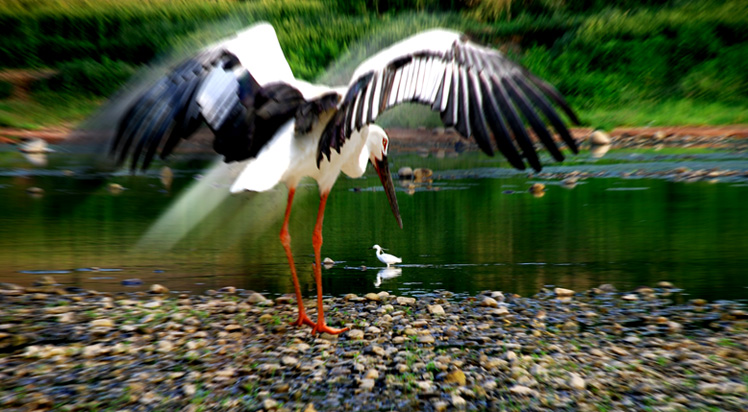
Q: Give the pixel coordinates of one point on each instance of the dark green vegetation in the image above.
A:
(663, 62)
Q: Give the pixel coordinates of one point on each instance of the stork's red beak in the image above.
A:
(383, 170)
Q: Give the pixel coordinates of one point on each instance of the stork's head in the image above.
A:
(378, 144)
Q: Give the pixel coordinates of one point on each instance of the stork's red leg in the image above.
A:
(285, 238)
(317, 243)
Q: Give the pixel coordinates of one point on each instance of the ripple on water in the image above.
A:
(625, 189)
(98, 270)
(43, 272)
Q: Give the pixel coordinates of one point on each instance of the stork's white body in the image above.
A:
(288, 158)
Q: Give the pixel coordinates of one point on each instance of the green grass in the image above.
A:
(666, 113)
(46, 109)
(682, 63)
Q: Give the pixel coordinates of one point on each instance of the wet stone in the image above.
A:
(404, 301)
(523, 390)
(159, 289)
(355, 334)
(106, 323)
(457, 377)
(436, 310)
(427, 339)
(561, 292)
(256, 298)
(367, 385)
(459, 402)
(489, 302)
(576, 382)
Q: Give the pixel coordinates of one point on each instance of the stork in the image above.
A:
(282, 128)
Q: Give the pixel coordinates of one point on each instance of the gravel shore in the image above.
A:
(597, 350)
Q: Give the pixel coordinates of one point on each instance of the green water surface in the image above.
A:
(479, 230)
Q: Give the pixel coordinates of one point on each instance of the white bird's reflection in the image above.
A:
(36, 159)
(387, 273)
(597, 152)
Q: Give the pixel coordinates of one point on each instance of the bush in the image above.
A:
(720, 79)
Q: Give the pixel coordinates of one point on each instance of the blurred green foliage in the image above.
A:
(598, 53)
(88, 77)
(6, 89)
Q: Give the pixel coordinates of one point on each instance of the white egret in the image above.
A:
(283, 129)
(386, 258)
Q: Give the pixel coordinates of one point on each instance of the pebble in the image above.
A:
(436, 310)
(377, 350)
(576, 382)
(256, 298)
(489, 302)
(404, 301)
(310, 408)
(115, 188)
(598, 137)
(561, 292)
(500, 311)
(289, 361)
(427, 339)
(374, 297)
(619, 351)
(189, 389)
(405, 172)
(595, 350)
(106, 323)
(456, 376)
(159, 289)
(367, 384)
(523, 390)
(459, 402)
(355, 334)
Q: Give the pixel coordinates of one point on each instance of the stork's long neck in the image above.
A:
(379, 252)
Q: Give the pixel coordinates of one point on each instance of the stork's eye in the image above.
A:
(384, 145)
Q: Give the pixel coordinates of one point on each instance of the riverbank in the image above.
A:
(601, 349)
(700, 134)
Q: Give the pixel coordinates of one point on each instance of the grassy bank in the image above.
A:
(643, 63)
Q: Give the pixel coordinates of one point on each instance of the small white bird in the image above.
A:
(386, 258)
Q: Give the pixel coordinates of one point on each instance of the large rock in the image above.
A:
(561, 292)
(405, 173)
(599, 138)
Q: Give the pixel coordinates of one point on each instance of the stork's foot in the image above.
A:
(322, 328)
(303, 320)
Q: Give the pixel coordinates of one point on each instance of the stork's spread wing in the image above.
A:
(240, 87)
(475, 89)
(176, 106)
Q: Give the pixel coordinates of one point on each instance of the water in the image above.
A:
(479, 230)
